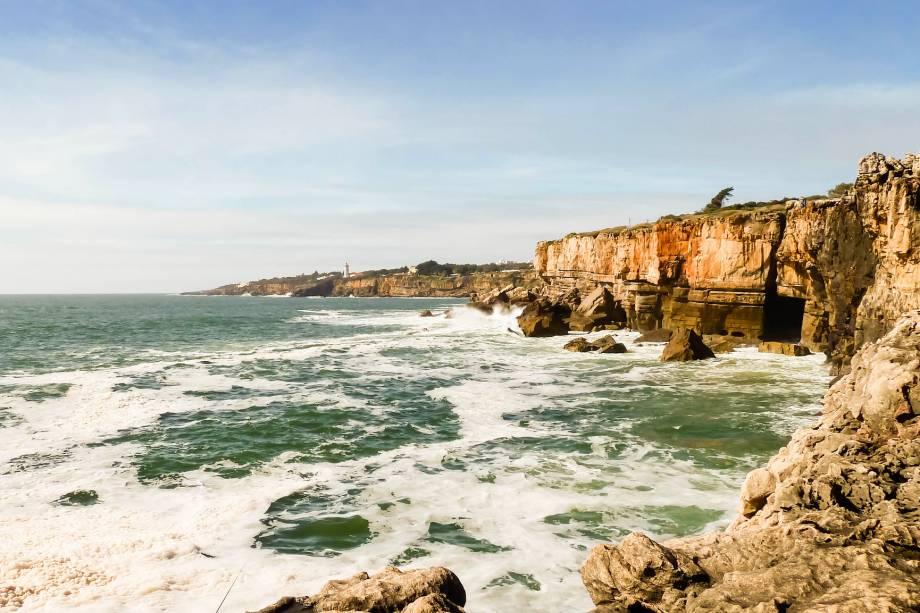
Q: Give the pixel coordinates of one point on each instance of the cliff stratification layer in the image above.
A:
(435, 286)
(830, 524)
(831, 274)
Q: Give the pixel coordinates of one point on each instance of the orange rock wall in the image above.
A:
(852, 264)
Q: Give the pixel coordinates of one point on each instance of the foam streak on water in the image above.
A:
(154, 448)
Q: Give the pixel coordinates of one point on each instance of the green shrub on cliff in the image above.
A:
(719, 199)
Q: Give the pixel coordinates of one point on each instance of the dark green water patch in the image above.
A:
(321, 536)
(8, 418)
(679, 520)
(594, 525)
(315, 522)
(614, 524)
(409, 555)
(146, 381)
(34, 461)
(233, 443)
(81, 498)
(235, 392)
(51, 391)
(513, 578)
(454, 534)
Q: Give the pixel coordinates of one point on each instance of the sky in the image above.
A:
(172, 146)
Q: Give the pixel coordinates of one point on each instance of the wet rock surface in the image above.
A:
(605, 344)
(544, 317)
(791, 349)
(429, 590)
(685, 346)
(831, 524)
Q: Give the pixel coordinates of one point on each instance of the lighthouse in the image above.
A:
(347, 271)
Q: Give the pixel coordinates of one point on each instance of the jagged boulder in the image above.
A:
(579, 345)
(684, 346)
(428, 590)
(791, 349)
(426, 313)
(608, 344)
(830, 524)
(598, 302)
(544, 318)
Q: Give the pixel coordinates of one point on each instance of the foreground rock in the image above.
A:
(831, 524)
(429, 590)
(684, 346)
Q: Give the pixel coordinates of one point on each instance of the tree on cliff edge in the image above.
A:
(719, 199)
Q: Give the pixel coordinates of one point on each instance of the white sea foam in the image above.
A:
(143, 547)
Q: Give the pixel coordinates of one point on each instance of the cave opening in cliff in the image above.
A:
(782, 318)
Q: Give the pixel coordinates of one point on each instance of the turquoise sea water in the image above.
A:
(153, 448)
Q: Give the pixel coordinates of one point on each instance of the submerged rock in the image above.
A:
(426, 313)
(428, 590)
(792, 349)
(830, 524)
(684, 346)
(579, 345)
(608, 344)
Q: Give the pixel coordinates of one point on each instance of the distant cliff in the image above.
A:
(399, 284)
(834, 273)
(320, 285)
(455, 286)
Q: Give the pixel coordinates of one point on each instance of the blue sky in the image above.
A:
(179, 145)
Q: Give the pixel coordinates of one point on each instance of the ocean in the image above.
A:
(154, 449)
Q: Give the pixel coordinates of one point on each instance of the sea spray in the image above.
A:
(304, 441)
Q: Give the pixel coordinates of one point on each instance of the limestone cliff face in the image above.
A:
(835, 273)
(435, 286)
(856, 261)
(708, 272)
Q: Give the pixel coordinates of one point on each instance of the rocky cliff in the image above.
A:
(831, 274)
(404, 285)
(830, 524)
(306, 285)
(455, 286)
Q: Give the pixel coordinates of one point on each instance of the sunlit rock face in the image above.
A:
(411, 285)
(829, 273)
